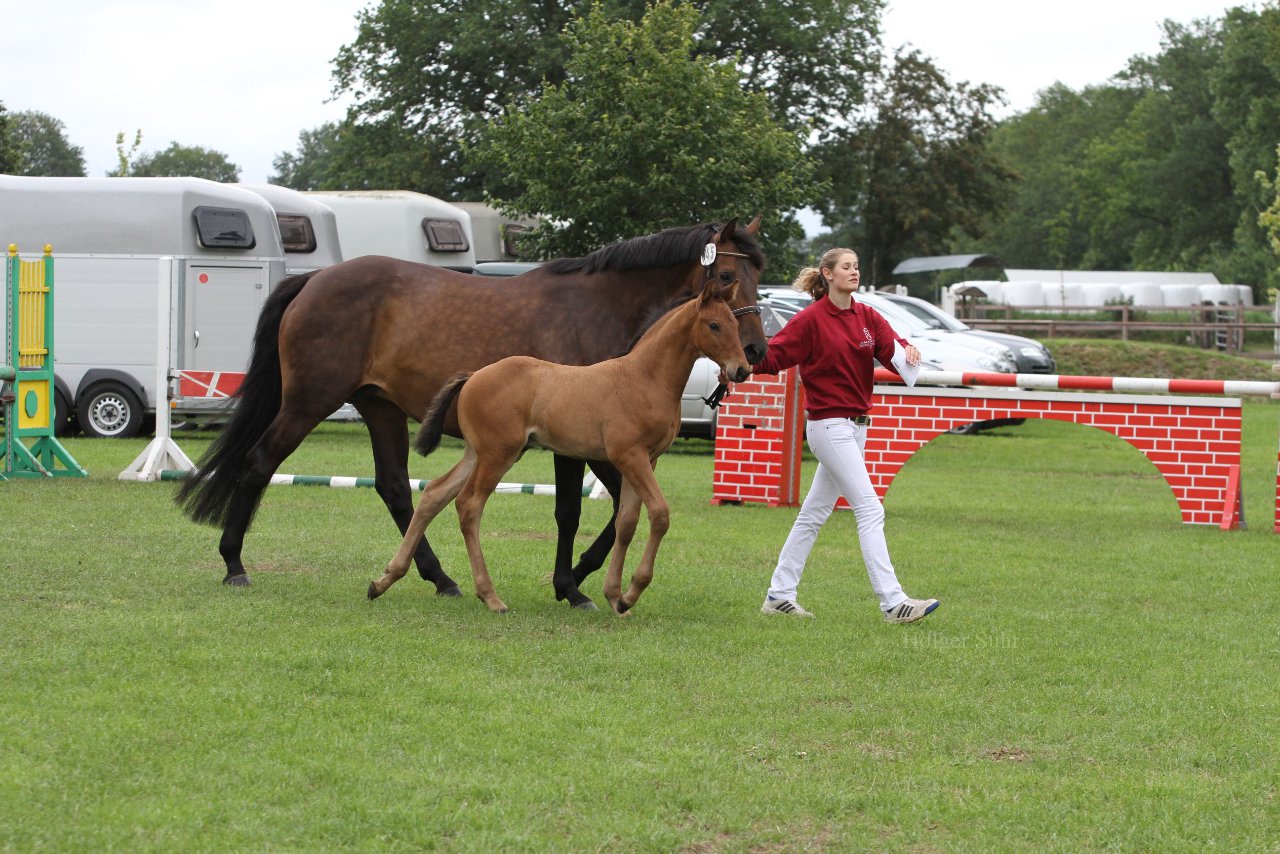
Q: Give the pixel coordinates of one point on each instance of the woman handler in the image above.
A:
(834, 341)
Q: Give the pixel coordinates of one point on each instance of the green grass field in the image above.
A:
(1099, 677)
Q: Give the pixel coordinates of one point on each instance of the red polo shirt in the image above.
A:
(834, 348)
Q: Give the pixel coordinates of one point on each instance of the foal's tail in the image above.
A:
(433, 422)
(206, 496)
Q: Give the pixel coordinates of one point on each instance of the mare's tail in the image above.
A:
(206, 495)
(433, 422)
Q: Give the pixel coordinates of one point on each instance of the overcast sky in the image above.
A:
(244, 77)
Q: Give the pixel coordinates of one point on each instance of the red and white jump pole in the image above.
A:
(1056, 382)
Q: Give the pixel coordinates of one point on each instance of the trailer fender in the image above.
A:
(97, 375)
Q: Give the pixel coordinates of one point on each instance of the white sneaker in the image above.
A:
(911, 610)
(783, 606)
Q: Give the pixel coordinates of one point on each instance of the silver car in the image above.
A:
(1030, 355)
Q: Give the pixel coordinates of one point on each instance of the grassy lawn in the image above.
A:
(1099, 677)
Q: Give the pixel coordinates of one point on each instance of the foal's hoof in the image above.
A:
(241, 580)
(586, 605)
(373, 591)
(450, 592)
(621, 607)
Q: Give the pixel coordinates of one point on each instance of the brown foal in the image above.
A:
(624, 410)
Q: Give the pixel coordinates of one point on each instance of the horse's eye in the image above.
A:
(726, 276)
(715, 326)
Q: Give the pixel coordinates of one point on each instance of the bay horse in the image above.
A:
(386, 335)
(624, 410)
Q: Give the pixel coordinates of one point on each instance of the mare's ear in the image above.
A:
(754, 227)
(726, 233)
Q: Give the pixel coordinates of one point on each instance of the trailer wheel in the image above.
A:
(109, 411)
(61, 415)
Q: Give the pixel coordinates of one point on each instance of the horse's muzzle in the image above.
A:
(755, 353)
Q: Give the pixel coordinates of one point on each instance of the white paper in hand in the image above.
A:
(908, 372)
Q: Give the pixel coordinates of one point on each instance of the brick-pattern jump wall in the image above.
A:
(1193, 442)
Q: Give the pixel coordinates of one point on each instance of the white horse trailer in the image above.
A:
(308, 228)
(108, 236)
(401, 224)
(494, 233)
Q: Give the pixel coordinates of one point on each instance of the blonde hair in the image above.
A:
(811, 281)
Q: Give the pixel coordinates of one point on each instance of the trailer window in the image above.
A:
(445, 235)
(296, 233)
(224, 228)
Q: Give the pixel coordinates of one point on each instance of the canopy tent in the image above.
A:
(929, 263)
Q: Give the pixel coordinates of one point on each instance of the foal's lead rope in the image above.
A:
(717, 397)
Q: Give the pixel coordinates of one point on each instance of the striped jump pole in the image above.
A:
(1056, 382)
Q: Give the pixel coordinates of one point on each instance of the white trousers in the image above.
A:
(838, 444)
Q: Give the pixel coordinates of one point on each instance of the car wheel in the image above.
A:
(109, 411)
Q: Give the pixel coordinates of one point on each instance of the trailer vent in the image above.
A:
(224, 228)
(445, 235)
(511, 236)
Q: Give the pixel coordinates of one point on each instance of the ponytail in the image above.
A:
(811, 281)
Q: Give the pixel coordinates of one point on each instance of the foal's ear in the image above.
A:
(730, 291)
(713, 290)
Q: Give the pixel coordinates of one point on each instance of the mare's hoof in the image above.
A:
(373, 591)
(449, 591)
(241, 580)
(586, 605)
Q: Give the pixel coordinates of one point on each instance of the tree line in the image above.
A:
(612, 118)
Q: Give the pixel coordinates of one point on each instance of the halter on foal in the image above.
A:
(624, 410)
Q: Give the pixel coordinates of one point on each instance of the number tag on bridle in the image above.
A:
(708, 255)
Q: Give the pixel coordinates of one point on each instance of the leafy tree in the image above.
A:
(315, 163)
(185, 161)
(916, 171)
(1269, 219)
(125, 157)
(642, 134)
(1171, 157)
(351, 156)
(43, 148)
(1245, 85)
(437, 72)
(8, 149)
(1154, 170)
(1044, 146)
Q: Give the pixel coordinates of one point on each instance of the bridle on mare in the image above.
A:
(717, 397)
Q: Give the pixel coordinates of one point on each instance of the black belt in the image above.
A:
(861, 420)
